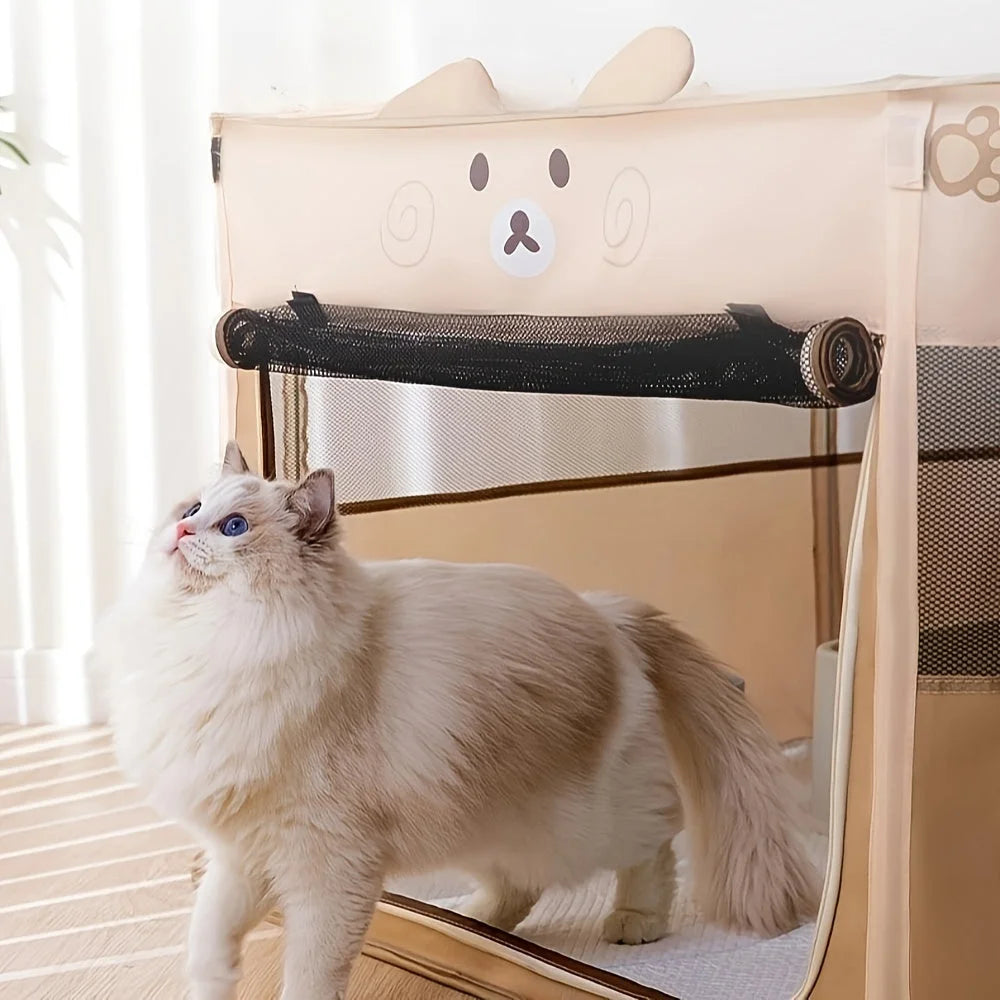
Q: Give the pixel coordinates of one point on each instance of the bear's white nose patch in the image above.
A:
(522, 239)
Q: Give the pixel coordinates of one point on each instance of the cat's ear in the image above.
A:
(234, 464)
(313, 501)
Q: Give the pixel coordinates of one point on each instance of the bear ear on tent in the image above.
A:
(461, 88)
(651, 69)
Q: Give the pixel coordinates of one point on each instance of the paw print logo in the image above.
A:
(966, 157)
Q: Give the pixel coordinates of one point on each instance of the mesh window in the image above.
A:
(388, 441)
(959, 511)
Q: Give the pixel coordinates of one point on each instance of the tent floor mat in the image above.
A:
(696, 961)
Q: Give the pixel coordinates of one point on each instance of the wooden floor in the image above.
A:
(95, 891)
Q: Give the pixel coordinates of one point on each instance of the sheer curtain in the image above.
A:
(111, 403)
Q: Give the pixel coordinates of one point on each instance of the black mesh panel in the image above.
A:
(959, 510)
(739, 355)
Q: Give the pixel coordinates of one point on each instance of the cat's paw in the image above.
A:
(213, 989)
(503, 910)
(966, 157)
(485, 907)
(212, 977)
(635, 927)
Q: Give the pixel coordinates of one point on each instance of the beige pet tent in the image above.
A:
(564, 338)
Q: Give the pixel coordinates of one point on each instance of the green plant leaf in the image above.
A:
(13, 148)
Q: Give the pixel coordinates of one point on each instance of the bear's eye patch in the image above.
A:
(479, 171)
(559, 168)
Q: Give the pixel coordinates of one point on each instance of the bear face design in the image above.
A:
(517, 217)
(518, 201)
(522, 238)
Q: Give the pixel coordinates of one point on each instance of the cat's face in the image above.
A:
(245, 532)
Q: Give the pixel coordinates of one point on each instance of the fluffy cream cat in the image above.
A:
(321, 723)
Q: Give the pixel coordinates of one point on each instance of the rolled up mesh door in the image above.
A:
(444, 404)
(741, 354)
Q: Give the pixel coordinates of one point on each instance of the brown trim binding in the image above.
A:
(602, 482)
(524, 947)
(983, 453)
(266, 426)
(303, 435)
(936, 684)
(220, 340)
(419, 965)
(295, 425)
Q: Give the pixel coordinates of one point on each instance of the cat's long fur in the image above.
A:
(321, 723)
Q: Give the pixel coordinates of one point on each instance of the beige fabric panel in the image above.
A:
(730, 558)
(457, 964)
(375, 977)
(842, 975)
(961, 211)
(652, 219)
(955, 845)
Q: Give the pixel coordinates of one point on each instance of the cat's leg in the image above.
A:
(499, 903)
(228, 904)
(328, 898)
(643, 900)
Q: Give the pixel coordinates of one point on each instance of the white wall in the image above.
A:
(109, 396)
(310, 53)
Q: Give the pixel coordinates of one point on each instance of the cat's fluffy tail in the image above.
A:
(750, 870)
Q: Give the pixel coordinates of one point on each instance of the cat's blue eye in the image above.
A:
(192, 510)
(235, 524)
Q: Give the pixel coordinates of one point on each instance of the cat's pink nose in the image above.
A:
(183, 528)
